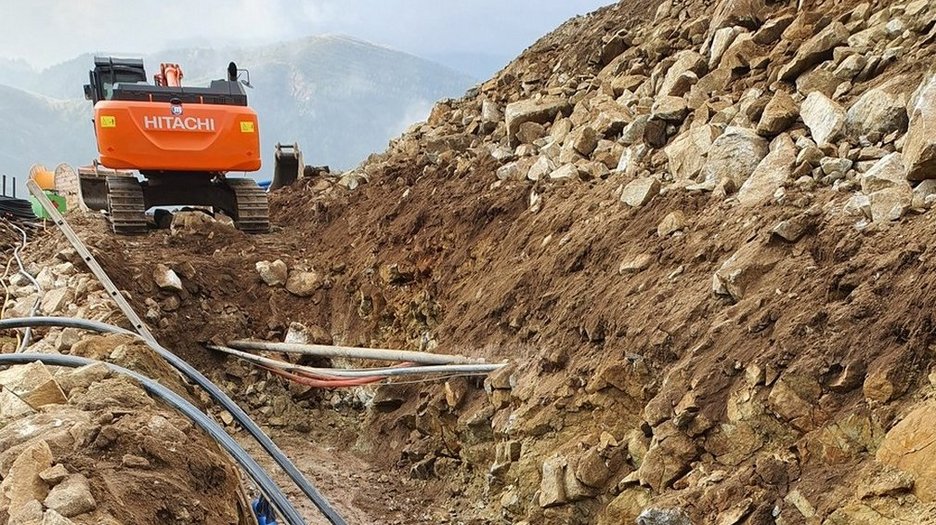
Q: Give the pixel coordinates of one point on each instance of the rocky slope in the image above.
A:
(699, 230)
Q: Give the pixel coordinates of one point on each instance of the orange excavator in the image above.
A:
(184, 141)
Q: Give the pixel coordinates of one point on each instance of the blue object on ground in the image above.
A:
(264, 512)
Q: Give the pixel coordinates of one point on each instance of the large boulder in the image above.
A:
(877, 111)
(815, 50)
(686, 154)
(640, 191)
(685, 61)
(887, 172)
(911, 447)
(824, 117)
(779, 113)
(734, 155)
(541, 110)
(919, 151)
(770, 173)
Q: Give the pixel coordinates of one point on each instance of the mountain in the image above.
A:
(340, 98)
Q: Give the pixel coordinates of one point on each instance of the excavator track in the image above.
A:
(125, 205)
(253, 209)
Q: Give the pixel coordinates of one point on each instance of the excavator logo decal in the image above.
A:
(179, 123)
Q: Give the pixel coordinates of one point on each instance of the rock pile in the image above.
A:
(803, 114)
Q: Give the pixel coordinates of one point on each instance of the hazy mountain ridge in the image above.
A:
(339, 97)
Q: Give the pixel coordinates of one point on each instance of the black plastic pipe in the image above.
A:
(254, 470)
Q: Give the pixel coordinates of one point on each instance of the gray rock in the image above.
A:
(824, 117)
(790, 229)
(876, 111)
(850, 67)
(815, 50)
(566, 171)
(541, 168)
(640, 191)
(891, 203)
(775, 169)
(663, 517)
(924, 193)
(71, 497)
(490, 116)
(734, 155)
(166, 278)
(633, 133)
(887, 172)
(721, 41)
(54, 301)
(273, 273)
(919, 149)
(832, 165)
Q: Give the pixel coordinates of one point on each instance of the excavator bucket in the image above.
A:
(288, 165)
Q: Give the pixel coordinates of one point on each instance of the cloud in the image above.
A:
(49, 31)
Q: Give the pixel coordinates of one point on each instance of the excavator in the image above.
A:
(184, 141)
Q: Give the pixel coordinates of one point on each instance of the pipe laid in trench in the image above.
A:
(377, 354)
(220, 397)
(267, 486)
(332, 373)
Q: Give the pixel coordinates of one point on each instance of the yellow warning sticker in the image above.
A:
(108, 121)
(247, 127)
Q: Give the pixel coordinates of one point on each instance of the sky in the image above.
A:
(463, 34)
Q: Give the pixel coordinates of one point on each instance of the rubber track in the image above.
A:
(125, 205)
(253, 209)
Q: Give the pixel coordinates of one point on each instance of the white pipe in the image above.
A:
(333, 373)
(377, 354)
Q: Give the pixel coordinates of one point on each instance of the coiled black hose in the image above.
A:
(254, 470)
(220, 397)
(18, 210)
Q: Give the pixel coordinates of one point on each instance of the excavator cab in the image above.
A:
(110, 71)
(184, 141)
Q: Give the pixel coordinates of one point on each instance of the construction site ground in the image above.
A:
(699, 233)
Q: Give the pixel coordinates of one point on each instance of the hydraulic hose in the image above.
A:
(254, 470)
(220, 397)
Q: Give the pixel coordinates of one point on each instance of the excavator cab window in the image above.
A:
(109, 72)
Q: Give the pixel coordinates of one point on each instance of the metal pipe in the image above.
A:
(220, 397)
(377, 354)
(253, 469)
(365, 372)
